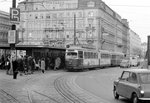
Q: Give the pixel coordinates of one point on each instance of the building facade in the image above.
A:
(57, 23)
(135, 43)
(144, 49)
(5, 26)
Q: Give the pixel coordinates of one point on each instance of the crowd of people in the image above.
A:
(27, 64)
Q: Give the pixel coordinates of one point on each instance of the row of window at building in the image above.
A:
(68, 23)
(4, 27)
(3, 35)
(53, 15)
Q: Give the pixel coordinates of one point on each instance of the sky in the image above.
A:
(137, 12)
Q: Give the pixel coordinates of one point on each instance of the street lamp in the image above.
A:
(29, 37)
(103, 39)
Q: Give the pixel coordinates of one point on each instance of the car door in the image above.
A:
(132, 84)
(121, 87)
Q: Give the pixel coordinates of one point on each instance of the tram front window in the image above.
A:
(71, 55)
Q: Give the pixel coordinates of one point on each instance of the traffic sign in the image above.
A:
(14, 14)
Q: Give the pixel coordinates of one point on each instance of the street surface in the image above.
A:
(100, 83)
(35, 88)
(93, 86)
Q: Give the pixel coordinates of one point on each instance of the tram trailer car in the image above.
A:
(104, 58)
(116, 58)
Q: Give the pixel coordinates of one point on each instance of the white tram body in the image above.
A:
(81, 58)
(105, 58)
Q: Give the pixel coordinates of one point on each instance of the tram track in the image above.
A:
(49, 97)
(7, 98)
(36, 96)
(39, 97)
(65, 91)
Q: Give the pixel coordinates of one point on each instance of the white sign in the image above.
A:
(12, 36)
(60, 4)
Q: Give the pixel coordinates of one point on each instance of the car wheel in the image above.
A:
(135, 99)
(116, 95)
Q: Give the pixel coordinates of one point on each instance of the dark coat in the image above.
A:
(15, 66)
(20, 65)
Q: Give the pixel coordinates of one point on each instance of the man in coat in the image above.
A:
(15, 68)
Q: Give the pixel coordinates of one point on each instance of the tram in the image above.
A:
(79, 58)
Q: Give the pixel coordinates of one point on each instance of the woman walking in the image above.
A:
(43, 65)
(7, 65)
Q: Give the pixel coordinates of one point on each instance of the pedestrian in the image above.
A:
(7, 65)
(57, 63)
(32, 65)
(15, 68)
(2, 62)
(25, 65)
(20, 66)
(39, 64)
(43, 65)
(30, 61)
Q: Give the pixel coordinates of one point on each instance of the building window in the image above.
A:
(36, 16)
(68, 14)
(41, 16)
(91, 14)
(80, 15)
(48, 16)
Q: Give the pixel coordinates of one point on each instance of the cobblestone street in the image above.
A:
(35, 88)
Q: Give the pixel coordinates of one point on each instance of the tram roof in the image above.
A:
(117, 53)
(82, 47)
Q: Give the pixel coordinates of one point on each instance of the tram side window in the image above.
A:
(113, 56)
(92, 55)
(95, 55)
(85, 55)
(80, 54)
(105, 56)
(88, 54)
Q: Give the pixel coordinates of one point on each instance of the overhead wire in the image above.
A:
(132, 5)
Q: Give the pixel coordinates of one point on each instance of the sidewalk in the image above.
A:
(23, 88)
(4, 76)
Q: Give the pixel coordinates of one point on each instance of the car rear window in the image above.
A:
(145, 78)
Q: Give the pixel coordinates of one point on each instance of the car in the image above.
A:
(134, 61)
(133, 84)
(125, 63)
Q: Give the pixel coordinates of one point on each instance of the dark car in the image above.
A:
(133, 84)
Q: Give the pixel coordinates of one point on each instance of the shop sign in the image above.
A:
(54, 43)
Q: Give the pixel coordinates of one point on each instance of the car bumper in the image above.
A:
(144, 99)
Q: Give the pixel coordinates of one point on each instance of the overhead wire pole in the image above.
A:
(12, 45)
(148, 52)
(74, 29)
